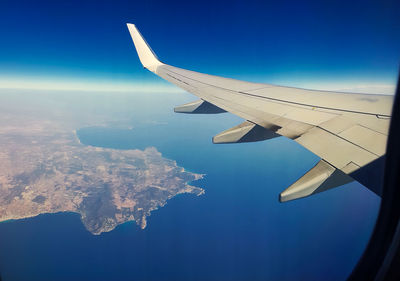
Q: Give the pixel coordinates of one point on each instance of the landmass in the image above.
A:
(45, 169)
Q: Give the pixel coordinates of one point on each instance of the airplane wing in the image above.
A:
(347, 131)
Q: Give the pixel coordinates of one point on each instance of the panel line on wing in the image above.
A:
(340, 137)
(280, 100)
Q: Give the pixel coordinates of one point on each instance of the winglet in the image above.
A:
(146, 55)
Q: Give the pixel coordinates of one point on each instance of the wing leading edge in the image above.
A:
(348, 131)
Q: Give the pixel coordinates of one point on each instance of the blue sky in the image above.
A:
(355, 43)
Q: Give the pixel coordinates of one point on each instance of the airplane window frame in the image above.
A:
(382, 256)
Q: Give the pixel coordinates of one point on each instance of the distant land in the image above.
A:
(45, 169)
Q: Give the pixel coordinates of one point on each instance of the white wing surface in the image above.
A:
(348, 131)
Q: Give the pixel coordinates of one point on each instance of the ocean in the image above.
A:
(237, 230)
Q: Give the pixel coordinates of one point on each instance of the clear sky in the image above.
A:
(350, 43)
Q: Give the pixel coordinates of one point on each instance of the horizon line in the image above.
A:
(130, 85)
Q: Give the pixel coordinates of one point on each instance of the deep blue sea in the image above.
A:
(237, 230)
